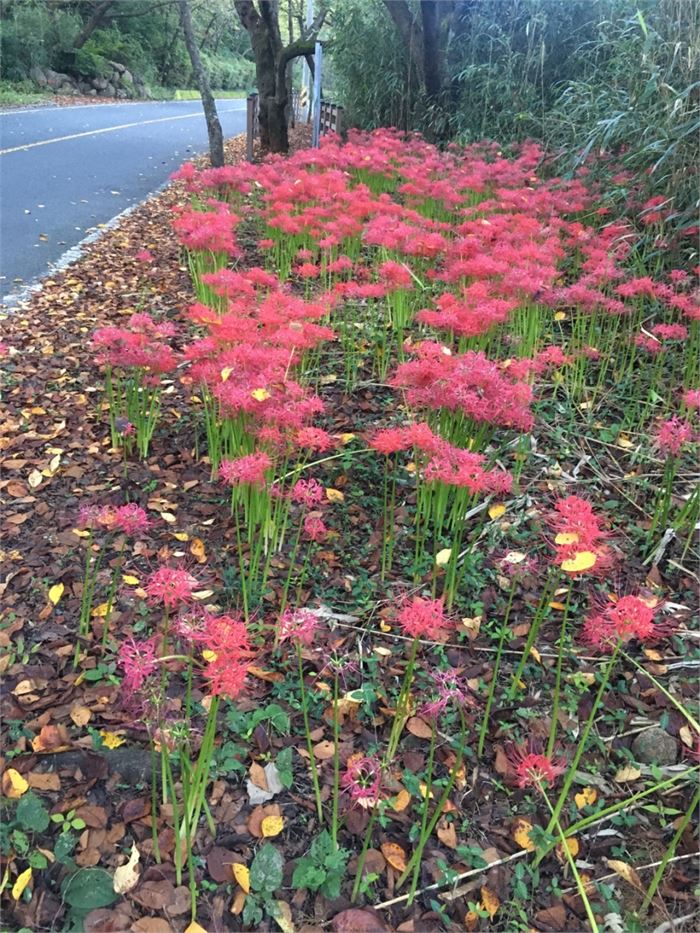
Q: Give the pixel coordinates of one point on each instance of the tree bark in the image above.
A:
(216, 137)
(271, 60)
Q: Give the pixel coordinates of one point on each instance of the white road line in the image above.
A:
(107, 129)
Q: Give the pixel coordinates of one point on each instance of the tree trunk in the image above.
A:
(216, 137)
(98, 14)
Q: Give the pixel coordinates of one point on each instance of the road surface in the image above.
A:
(65, 170)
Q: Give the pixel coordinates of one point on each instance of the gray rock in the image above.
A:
(121, 93)
(127, 76)
(38, 77)
(99, 84)
(55, 79)
(656, 746)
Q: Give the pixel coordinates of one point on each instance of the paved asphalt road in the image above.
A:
(65, 170)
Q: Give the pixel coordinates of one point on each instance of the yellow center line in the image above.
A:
(106, 129)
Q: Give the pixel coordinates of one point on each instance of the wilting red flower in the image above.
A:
(363, 778)
(138, 661)
(627, 619)
(129, 518)
(315, 528)
(673, 436)
(423, 618)
(298, 625)
(450, 687)
(170, 586)
(532, 768)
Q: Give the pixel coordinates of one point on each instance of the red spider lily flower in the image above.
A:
(315, 528)
(579, 537)
(144, 255)
(317, 439)
(171, 587)
(673, 436)
(250, 470)
(138, 661)
(298, 625)
(691, 399)
(363, 778)
(423, 618)
(629, 618)
(532, 768)
(129, 518)
(307, 492)
(450, 688)
(226, 677)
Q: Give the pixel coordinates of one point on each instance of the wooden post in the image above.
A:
(251, 121)
(339, 120)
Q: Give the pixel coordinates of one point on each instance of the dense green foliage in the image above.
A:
(145, 37)
(586, 77)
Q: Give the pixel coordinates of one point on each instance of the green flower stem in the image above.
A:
(557, 680)
(307, 730)
(532, 634)
(669, 696)
(572, 865)
(496, 667)
(418, 853)
(363, 853)
(426, 808)
(571, 770)
(336, 761)
(116, 580)
(154, 804)
(659, 873)
(401, 704)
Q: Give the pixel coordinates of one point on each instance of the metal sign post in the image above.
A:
(316, 101)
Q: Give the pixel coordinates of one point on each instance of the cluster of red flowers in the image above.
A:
(580, 540)
(130, 519)
(143, 345)
(622, 620)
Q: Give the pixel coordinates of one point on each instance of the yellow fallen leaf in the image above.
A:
(226, 372)
(81, 533)
(81, 715)
(395, 855)
(686, 736)
(111, 739)
(168, 517)
(496, 510)
(346, 437)
(129, 580)
(283, 917)
(242, 874)
(209, 655)
(521, 834)
(560, 607)
(126, 876)
(384, 626)
(272, 826)
(625, 871)
(560, 315)
(260, 395)
(584, 560)
(536, 655)
(586, 797)
(56, 592)
(198, 550)
(624, 442)
(35, 479)
(628, 773)
(181, 536)
(335, 495)
(194, 927)
(442, 558)
(401, 800)
(566, 537)
(99, 612)
(572, 845)
(21, 883)
(13, 784)
(490, 901)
